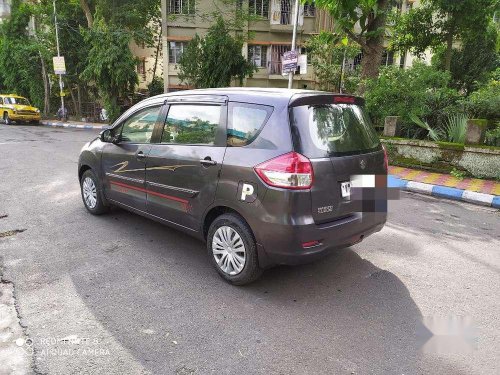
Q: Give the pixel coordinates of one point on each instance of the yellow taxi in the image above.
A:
(16, 108)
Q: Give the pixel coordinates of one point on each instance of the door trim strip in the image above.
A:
(185, 202)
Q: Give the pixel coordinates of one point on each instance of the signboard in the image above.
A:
(289, 61)
(59, 65)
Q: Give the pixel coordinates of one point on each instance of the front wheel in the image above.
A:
(91, 194)
(232, 250)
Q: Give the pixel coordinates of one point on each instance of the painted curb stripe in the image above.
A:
(419, 187)
(479, 198)
(447, 192)
(73, 126)
(495, 202)
(444, 191)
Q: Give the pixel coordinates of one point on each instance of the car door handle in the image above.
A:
(208, 161)
(140, 155)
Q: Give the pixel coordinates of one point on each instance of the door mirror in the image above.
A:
(108, 137)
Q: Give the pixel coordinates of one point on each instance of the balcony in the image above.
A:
(282, 16)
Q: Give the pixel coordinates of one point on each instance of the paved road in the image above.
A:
(132, 296)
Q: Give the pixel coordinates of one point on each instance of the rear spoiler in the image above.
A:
(318, 99)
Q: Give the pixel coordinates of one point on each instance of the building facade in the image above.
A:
(270, 26)
(4, 9)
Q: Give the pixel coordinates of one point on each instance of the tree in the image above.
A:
(214, 60)
(327, 56)
(110, 64)
(472, 61)
(20, 57)
(442, 22)
(364, 21)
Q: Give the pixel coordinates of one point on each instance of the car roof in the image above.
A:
(12, 96)
(259, 95)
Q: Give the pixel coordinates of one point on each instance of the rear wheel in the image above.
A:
(232, 250)
(91, 193)
(6, 118)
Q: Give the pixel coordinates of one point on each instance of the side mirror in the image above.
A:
(107, 137)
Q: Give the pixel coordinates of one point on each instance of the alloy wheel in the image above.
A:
(89, 192)
(229, 250)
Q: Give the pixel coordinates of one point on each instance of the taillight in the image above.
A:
(386, 160)
(289, 171)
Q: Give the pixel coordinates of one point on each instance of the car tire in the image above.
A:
(226, 256)
(6, 119)
(92, 193)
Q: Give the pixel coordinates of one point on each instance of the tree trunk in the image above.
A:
(373, 48)
(79, 99)
(88, 14)
(75, 106)
(449, 51)
(157, 51)
(46, 89)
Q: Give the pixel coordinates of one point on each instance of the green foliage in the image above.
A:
(456, 127)
(458, 173)
(214, 60)
(485, 102)
(472, 61)
(493, 136)
(420, 91)
(433, 133)
(326, 55)
(155, 87)
(364, 21)
(20, 58)
(110, 65)
(441, 22)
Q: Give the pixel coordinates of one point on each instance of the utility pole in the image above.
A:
(61, 86)
(294, 39)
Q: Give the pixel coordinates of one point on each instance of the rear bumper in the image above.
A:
(282, 244)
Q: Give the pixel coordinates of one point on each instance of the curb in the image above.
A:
(469, 196)
(72, 126)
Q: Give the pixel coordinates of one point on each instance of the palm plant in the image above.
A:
(434, 134)
(456, 127)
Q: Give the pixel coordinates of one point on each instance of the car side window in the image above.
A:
(194, 124)
(1, 101)
(245, 122)
(138, 128)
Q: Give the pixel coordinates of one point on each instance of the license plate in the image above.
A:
(345, 188)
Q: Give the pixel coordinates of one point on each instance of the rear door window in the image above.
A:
(191, 124)
(245, 122)
(324, 130)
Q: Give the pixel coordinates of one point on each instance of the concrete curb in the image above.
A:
(482, 199)
(73, 126)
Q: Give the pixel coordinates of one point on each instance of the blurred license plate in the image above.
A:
(345, 187)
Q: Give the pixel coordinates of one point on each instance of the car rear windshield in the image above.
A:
(324, 130)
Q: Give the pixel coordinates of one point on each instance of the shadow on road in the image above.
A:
(341, 314)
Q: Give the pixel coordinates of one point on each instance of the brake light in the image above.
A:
(289, 171)
(386, 159)
(344, 99)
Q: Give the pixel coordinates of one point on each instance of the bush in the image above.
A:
(155, 87)
(485, 102)
(420, 91)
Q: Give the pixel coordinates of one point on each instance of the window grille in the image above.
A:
(181, 7)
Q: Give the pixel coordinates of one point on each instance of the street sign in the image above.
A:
(59, 65)
(289, 61)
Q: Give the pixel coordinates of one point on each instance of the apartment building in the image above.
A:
(149, 63)
(4, 9)
(270, 30)
(271, 36)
